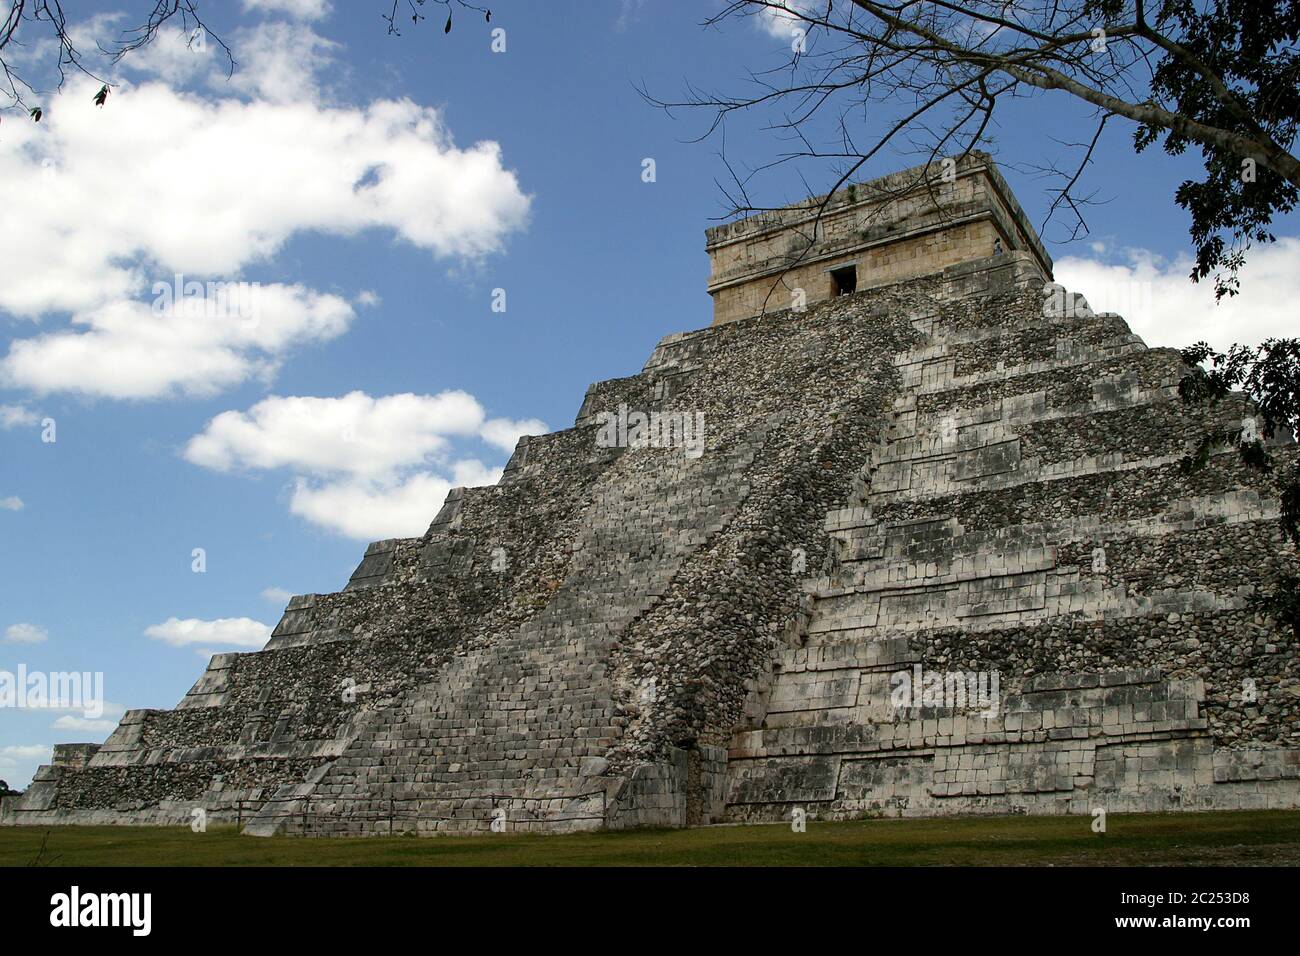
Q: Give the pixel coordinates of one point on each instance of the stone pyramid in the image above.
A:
(955, 481)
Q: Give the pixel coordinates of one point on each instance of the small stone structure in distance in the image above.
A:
(922, 467)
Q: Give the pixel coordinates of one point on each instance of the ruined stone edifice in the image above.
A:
(869, 235)
(935, 554)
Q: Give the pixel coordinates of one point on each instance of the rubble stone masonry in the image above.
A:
(955, 473)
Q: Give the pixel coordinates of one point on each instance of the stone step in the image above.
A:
(936, 367)
(1061, 384)
(940, 550)
(914, 434)
(1117, 489)
(867, 728)
(1003, 339)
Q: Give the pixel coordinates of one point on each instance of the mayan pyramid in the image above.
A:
(919, 457)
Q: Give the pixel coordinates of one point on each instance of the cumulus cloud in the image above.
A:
(781, 18)
(505, 433)
(104, 722)
(276, 595)
(137, 350)
(174, 56)
(277, 60)
(69, 722)
(299, 9)
(1161, 304)
(239, 631)
(366, 467)
(16, 416)
(20, 761)
(204, 182)
(386, 508)
(11, 755)
(281, 62)
(26, 634)
(228, 182)
(354, 434)
(12, 503)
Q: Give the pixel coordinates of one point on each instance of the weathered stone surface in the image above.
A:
(913, 222)
(1027, 516)
(963, 473)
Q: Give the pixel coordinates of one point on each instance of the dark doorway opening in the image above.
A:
(845, 280)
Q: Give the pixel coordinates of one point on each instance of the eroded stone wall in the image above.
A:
(932, 475)
(1028, 517)
(590, 677)
(914, 222)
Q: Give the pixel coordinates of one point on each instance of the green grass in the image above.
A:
(1237, 838)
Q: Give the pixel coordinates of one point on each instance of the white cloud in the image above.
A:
(376, 509)
(184, 156)
(174, 56)
(281, 62)
(299, 9)
(365, 467)
(240, 631)
(132, 350)
(26, 634)
(276, 595)
(103, 722)
(16, 416)
(278, 61)
(781, 18)
(20, 761)
(69, 722)
(102, 203)
(505, 433)
(12, 503)
(11, 755)
(1161, 304)
(355, 434)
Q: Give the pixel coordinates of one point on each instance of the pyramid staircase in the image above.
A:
(1018, 511)
(1028, 530)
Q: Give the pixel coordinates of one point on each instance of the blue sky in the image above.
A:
(379, 189)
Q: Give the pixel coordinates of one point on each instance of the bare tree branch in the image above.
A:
(1204, 74)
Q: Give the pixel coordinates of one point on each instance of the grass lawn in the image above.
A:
(1245, 838)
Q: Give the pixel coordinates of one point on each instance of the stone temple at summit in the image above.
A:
(906, 531)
